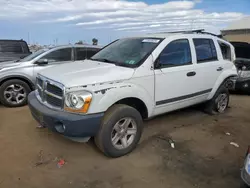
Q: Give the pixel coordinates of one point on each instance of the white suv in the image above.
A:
(129, 80)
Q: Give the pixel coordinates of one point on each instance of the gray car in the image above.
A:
(17, 78)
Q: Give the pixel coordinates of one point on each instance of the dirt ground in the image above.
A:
(202, 157)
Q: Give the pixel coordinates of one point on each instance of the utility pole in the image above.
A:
(28, 37)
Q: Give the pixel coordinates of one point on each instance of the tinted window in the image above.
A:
(242, 51)
(91, 52)
(59, 55)
(11, 46)
(128, 52)
(81, 53)
(25, 47)
(33, 55)
(205, 50)
(176, 53)
(225, 50)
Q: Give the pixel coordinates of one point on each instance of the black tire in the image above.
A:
(26, 90)
(211, 107)
(111, 117)
(243, 185)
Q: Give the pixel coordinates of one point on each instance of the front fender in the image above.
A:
(224, 75)
(109, 95)
(14, 75)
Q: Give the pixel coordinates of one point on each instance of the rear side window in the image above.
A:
(81, 53)
(25, 47)
(176, 53)
(225, 50)
(11, 47)
(85, 53)
(205, 50)
(92, 52)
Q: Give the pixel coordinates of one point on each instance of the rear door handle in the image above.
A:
(191, 73)
(219, 69)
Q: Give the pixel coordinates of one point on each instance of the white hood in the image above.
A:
(87, 72)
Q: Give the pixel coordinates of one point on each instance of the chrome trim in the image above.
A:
(53, 95)
(39, 87)
(43, 99)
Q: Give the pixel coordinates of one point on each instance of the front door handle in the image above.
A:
(219, 69)
(191, 73)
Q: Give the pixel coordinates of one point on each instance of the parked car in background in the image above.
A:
(18, 78)
(132, 79)
(13, 50)
(242, 63)
(245, 171)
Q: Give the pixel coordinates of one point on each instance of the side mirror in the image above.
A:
(42, 62)
(157, 64)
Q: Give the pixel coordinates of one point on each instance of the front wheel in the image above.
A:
(219, 103)
(120, 131)
(13, 93)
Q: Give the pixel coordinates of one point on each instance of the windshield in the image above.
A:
(33, 55)
(127, 52)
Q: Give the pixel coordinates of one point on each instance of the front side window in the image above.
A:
(205, 50)
(176, 53)
(128, 52)
(225, 50)
(59, 55)
(33, 55)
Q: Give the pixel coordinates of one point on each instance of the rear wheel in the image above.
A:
(13, 93)
(120, 131)
(219, 103)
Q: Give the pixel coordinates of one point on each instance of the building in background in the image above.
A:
(238, 31)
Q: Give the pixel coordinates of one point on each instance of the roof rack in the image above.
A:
(199, 31)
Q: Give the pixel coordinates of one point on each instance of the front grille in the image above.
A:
(50, 92)
(54, 89)
(53, 101)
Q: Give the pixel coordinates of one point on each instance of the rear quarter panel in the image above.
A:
(229, 69)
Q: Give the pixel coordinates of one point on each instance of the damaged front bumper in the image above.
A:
(76, 127)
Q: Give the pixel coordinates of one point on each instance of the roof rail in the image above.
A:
(199, 31)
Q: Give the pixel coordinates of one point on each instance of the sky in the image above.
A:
(68, 21)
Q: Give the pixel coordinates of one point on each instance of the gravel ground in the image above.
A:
(202, 157)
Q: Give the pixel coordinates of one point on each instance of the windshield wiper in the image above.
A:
(17, 60)
(104, 60)
(113, 62)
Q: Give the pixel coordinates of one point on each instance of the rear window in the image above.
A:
(11, 46)
(225, 50)
(205, 50)
(242, 50)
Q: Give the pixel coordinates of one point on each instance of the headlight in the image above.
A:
(78, 102)
(244, 74)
